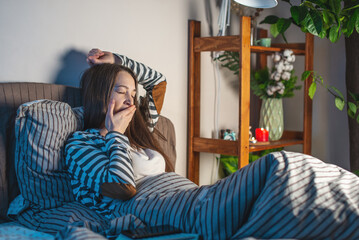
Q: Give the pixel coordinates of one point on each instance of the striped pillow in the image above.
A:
(41, 129)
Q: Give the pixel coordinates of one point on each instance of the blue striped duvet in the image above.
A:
(282, 195)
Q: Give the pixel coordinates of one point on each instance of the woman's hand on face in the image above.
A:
(96, 56)
(119, 121)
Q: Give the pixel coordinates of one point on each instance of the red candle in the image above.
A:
(262, 135)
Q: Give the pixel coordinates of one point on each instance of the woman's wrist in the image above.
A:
(117, 59)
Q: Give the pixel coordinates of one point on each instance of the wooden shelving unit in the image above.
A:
(241, 147)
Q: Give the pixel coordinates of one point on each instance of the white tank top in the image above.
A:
(147, 162)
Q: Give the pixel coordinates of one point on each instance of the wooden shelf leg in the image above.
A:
(307, 121)
(194, 83)
(244, 92)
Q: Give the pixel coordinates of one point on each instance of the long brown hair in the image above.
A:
(97, 84)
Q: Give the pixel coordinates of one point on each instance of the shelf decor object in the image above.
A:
(271, 117)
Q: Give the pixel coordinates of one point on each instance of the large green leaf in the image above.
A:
(305, 75)
(319, 3)
(334, 33)
(352, 107)
(312, 89)
(229, 163)
(340, 94)
(358, 119)
(298, 13)
(351, 23)
(355, 96)
(314, 22)
(354, 20)
(326, 17)
(339, 103)
(335, 6)
(350, 113)
(271, 19)
(274, 30)
(283, 24)
(323, 34)
(294, 11)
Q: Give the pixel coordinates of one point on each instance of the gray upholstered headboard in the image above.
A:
(12, 95)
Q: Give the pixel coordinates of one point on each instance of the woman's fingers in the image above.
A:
(94, 56)
(111, 107)
(129, 111)
(120, 120)
(95, 51)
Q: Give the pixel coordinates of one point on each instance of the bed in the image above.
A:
(282, 195)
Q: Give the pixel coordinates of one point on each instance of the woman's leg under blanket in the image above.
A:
(228, 202)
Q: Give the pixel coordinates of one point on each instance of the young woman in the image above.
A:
(118, 170)
(100, 159)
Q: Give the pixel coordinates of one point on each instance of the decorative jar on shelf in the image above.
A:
(271, 117)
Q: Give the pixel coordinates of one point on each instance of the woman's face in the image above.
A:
(124, 91)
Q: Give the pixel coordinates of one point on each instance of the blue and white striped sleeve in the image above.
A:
(92, 166)
(151, 80)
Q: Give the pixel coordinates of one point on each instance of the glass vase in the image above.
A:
(271, 117)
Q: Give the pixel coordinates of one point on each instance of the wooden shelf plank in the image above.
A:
(289, 138)
(227, 147)
(278, 48)
(274, 144)
(222, 43)
(232, 43)
(218, 146)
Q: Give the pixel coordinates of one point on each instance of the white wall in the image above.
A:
(47, 41)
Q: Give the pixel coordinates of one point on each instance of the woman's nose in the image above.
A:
(129, 99)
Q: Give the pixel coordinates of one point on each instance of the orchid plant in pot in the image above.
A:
(271, 85)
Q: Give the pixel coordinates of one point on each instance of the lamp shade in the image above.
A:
(258, 3)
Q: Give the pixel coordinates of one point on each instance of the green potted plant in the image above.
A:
(271, 85)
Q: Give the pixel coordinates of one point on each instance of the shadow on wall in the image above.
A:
(73, 64)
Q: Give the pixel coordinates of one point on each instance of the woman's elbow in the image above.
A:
(120, 191)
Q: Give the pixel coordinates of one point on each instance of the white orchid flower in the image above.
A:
(287, 53)
(277, 76)
(286, 75)
(279, 66)
(272, 76)
(288, 67)
(276, 57)
(281, 85)
(291, 59)
(269, 92)
(273, 88)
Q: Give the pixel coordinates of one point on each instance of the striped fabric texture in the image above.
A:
(282, 195)
(12, 95)
(93, 160)
(148, 78)
(42, 128)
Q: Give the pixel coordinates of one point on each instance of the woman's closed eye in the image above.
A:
(124, 92)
